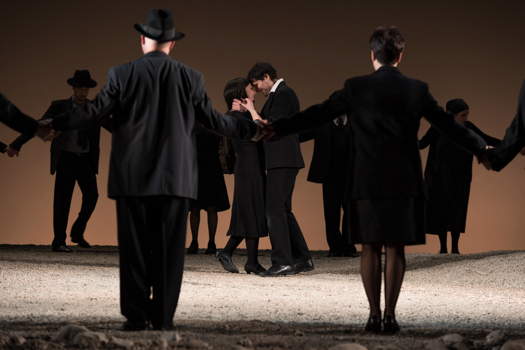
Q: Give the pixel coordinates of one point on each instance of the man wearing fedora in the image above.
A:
(155, 102)
(74, 159)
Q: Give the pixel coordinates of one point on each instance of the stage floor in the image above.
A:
(470, 294)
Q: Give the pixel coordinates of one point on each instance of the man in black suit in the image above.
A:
(514, 140)
(283, 159)
(155, 102)
(11, 116)
(74, 159)
(330, 167)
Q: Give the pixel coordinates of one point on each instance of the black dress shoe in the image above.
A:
(134, 326)
(61, 248)
(193, 248)
(168, 327)
(279, 270)
(304, 266)
(81, 242)
(374, 324)
(256, 269)
(390, 325)
(212, 249)
(334, 254)
(227, 262)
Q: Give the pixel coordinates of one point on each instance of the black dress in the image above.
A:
(248, 218)
(448, 175)
(212, 192)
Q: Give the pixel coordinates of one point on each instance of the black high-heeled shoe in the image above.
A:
(374, 324)
(390, 325)
(256, 269)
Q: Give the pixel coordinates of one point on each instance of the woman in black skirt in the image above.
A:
(212, 196)
(248, 220)
(448, 174)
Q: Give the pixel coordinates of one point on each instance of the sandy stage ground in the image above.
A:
(468, 294)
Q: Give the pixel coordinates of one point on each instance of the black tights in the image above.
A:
(252, 246)
(195, 219)
(395, 265)
(455, 242)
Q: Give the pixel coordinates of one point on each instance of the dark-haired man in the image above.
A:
(155, 102)
(74, 159)
(385, 109)
(283, 160)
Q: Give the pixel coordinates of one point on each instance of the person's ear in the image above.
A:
(372, 56)
(142, 39)
(400, 58)
(172, 45)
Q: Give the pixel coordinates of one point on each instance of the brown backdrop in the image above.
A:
(472, 50)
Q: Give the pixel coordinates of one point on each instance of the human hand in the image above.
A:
(247, 104)
(11, 152)
(45, 131)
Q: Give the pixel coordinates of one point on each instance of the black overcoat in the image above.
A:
(448, 174)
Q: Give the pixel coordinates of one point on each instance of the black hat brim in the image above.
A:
(77, 83)
(161, 39)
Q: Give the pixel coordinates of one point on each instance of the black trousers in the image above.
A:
(71, 169)
(288, 244)
(337, 237)
(151, 239)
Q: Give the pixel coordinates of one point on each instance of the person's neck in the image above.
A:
(377, 65)
(78, 102)
(165, 50)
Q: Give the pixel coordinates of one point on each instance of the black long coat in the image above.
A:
(448, 175)
(286, 151)
(93, 135)
(155, 101)
(514, 139)
(385, 109)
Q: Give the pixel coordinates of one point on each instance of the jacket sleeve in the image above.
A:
(429, 138)
(91, 113)
(212, 120)
(338, 103)
(21, 140)
(11, 116)
(307, 135)
(444, 122)
(491, 141)
(514, 139)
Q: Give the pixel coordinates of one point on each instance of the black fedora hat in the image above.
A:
(82, 78)
(159, 26)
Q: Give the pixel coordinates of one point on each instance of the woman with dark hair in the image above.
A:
(213, 195)
(386, 197)
(248, 220)
(448, 175)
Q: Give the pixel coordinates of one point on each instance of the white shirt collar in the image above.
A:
(276, 85)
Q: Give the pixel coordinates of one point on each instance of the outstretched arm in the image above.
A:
(314, 116)
(91, 113)
(430, 137)
(11, 116)
(219, 123)
(514, 139)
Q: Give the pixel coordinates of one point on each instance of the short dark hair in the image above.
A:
(235, 88)
(260, 69)
(457, 105)
(387, 44)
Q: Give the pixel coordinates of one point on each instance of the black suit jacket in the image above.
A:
(13, 118)
(155, 101)
(514, 139)
(385, 109)
(286, 151)
(57, 108)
